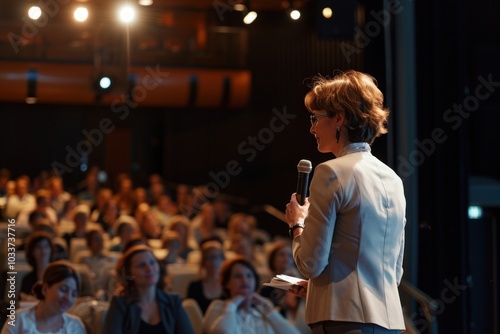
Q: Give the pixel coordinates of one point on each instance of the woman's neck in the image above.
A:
(40, 269)
(45, 314)
(147, 294)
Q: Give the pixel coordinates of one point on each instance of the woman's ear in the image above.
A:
(45, 287)
(340, 118)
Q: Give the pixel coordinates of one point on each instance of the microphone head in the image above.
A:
(304, 166)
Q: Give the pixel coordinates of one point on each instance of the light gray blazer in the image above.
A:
(352, 245)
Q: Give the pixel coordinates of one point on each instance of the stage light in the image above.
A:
(239, 7)
(105, 83)
(145, 2)
(81, 14)
(34, 12)
(327, 12)
(250, 17)
(475, 212)
(295, 14)
(126, 14)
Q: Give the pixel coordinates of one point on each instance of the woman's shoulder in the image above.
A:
(168, 297)
(73, 322)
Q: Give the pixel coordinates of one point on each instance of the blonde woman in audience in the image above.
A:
(150, 227)
(245, 311)
(141, 306)
(180, 224)
(208, 289)
(57, 292)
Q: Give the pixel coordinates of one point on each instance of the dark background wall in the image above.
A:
(457, 44)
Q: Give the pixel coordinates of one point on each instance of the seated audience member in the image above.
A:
(99, 264)
(110, 214)
(171, 241)
(149, 226)
(60, 249)
(66, 217)
(80, 220)
(39, 253)
(20, 201)
(281, 262)
(140, 196)
(203, 226)
(140, 305)
(97, 210)
(42, 210)
(245, 311)
(164, 209)
(125, 195)
(125, 229)
(58, 197)
(180, 224)
(57, 292)
(207, 289)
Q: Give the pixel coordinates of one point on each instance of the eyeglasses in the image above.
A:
(314, 118)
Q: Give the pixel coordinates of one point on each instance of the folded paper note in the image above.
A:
(283, 282)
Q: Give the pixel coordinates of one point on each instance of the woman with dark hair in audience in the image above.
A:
(245, 311)
(39, 253)
(57, 293)
(141, 306)
(207, 289)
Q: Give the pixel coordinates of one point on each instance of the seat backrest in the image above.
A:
(194, 313)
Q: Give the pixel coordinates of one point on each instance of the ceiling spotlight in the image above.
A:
(145, 2)
(327, 12)
(104, 83)
(295, 14)
(34, 13)
(81, 14)
(126, 14)
(239, 7)
(250, 17)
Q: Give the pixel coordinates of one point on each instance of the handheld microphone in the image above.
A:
(304, 168)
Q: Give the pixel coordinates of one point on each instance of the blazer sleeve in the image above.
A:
(399, 267)
(311, 250)
(114, 323)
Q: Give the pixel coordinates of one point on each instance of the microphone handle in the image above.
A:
(302, 186)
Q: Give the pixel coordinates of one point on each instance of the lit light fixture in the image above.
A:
(126, 13)
(145, 2)
(34, 12)
(105, 83)
(239, 7)
(81, 14)
(327, 12)
(295, 14)
(250, 17)
(475, 212)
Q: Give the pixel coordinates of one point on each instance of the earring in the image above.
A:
(337, 134)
